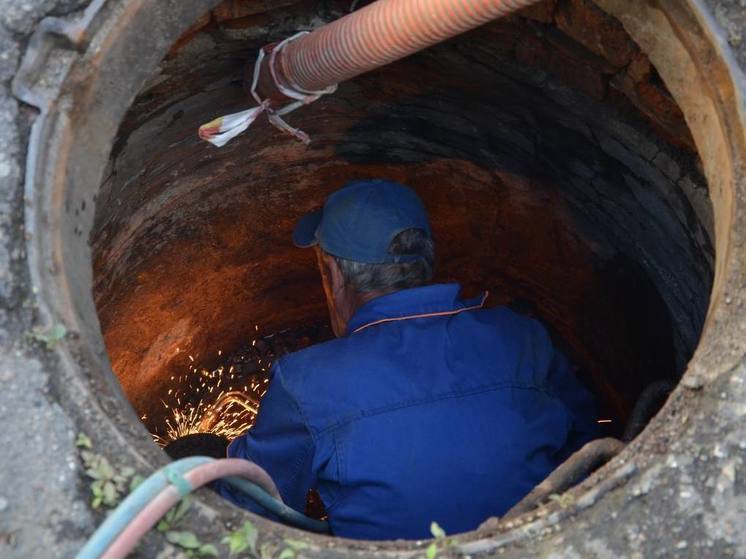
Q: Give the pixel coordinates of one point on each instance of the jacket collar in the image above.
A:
(418, 302)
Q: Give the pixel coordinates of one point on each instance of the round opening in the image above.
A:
(559, 174)
(558, 171)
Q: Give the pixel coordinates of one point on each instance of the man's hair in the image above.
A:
(367, 278)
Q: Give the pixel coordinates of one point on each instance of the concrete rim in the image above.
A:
(80, 113)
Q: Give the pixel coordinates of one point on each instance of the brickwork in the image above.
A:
(676, 491)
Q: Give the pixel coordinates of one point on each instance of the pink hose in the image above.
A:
(379, 34)
(199, 476)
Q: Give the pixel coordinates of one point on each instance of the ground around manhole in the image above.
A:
(691, 504)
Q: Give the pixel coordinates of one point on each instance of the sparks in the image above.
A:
(195, 406)
(223, 399)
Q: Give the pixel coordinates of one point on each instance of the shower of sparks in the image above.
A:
(215, 401)
(225, 400)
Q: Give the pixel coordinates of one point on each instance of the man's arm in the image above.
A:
(279, 442)
(578, 400)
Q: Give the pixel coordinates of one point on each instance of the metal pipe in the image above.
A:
(374, 36)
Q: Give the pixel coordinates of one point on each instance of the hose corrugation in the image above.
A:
(381, 33)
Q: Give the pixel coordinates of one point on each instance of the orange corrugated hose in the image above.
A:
(379, 34)
(302, 68)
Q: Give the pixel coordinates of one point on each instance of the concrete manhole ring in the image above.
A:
(676, 490)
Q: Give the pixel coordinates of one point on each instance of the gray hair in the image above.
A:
(367, 278)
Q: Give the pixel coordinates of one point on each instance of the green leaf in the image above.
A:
(110, 495)
(432, 551)
(181, 509)
(187, 540)
(564, 500)
(265, 552)
(242, 539)
(120, 483)
(287, 553)
(136, 480)
(163, 526)
(48, 337)
(296, 545)
(208, 550)
(127, 472)
(83, 441)
(436, 530)
(93, 473)
(56, 332)
(104, 470)
(236, 543)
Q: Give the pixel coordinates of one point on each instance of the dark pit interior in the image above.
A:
(557, 170)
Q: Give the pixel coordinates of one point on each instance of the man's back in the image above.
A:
(449, 417)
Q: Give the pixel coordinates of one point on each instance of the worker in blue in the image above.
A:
(426, 407)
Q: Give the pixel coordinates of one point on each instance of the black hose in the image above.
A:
(573, 470)
(286, 515)
(649, 402)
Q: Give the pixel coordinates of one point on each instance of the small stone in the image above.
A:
(729, 472)
(719, 451)
(693, 381)
(681, 545)
(3, 504)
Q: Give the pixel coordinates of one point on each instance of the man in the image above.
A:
(426, 407)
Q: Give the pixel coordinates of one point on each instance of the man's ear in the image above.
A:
(334, 273)
(331, 274)
(337, 297)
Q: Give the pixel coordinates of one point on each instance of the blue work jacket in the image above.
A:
(430, 408)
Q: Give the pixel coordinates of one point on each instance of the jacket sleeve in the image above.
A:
(579, 401)
(281, 443)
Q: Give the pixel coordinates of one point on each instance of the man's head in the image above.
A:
(371, 238)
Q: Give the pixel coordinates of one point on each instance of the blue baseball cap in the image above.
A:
(359, 221)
